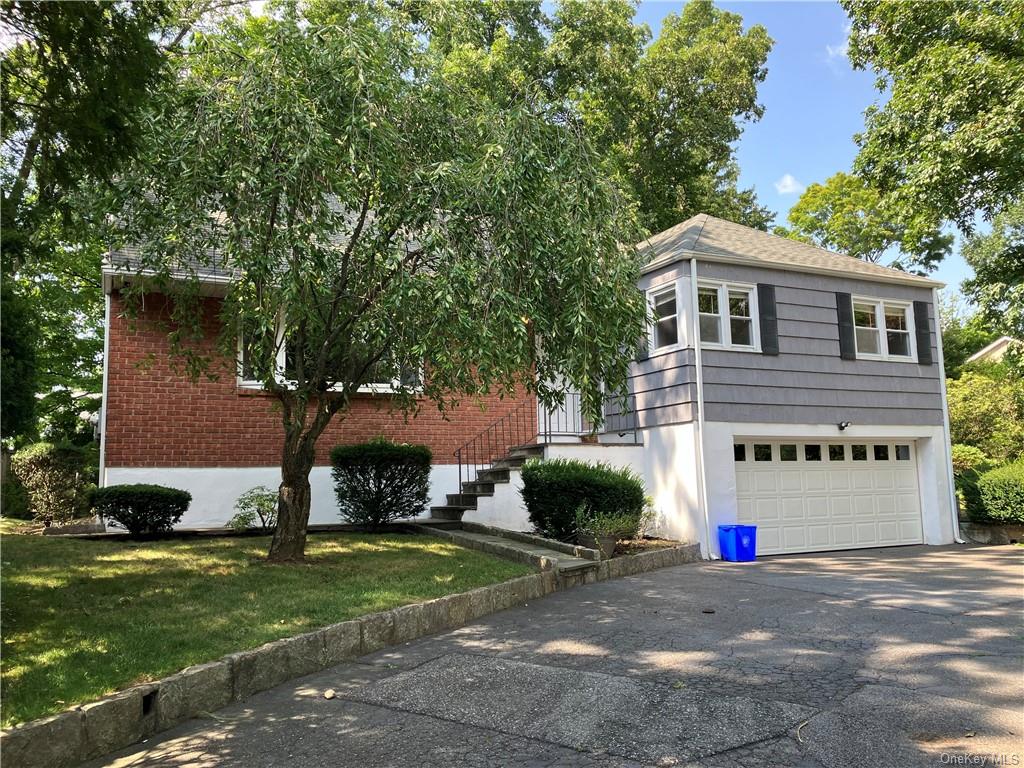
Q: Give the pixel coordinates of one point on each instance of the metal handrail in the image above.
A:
(520, 427)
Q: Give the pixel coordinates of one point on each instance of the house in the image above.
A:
(994, 352)
(782, 386)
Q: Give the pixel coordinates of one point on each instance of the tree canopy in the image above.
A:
(379, 213)
(949, 141)
(848, 215)
(997, 258)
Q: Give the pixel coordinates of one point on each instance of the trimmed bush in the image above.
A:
(969, 463)
(380, 481)
(14, 499)
(54, 477)
(256, 508)
(141, 509)
(555, 489)
(1002, 493)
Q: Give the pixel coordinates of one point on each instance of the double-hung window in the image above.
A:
(665, 307)
(883, 329)
(727, 315)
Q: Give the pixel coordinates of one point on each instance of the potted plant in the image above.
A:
(602, 530)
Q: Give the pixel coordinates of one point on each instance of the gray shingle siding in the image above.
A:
(808, 383)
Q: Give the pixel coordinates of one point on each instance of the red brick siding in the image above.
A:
(158, 417)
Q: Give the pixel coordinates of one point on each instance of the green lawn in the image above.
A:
(84, 618)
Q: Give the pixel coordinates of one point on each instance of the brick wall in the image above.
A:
(158, 417)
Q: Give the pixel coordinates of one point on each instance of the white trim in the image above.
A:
(702, 482)
(372, 388)
(725, 316)
(880, 306)
(106, 378)
(652, 293)
(747, 261)
(947, 438)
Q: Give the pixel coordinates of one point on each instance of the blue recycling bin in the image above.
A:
(738, 543)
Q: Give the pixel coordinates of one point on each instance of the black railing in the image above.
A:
(567, 420)
(523, 426)
(518, 427)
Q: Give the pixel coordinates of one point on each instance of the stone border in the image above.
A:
(528, 538)
(991, 533)
(126, 717)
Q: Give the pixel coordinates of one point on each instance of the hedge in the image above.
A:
(141, 509)
(1002, 493)
(969, 463)
(55, 479)
(555, 489)
(381, 481)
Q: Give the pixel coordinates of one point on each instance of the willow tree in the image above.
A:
(374, 212)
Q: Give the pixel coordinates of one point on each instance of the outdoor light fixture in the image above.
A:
(843, 425)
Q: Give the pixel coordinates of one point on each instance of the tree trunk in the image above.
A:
(289, 543)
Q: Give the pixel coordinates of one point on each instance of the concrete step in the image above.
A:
(478, 489)
(450, 512)
(493, 476)
(467, 500)
(510, 462)
(438, 524)
(530, 450)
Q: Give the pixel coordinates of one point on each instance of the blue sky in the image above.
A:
(814, 103)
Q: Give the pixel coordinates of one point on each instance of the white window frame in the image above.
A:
(372, 388)
(652, 294)
(880, 306)
(724, 316)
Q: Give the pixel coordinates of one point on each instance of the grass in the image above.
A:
(84, 618)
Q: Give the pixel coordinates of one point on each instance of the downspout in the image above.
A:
(702, 483)
(946, 440)
(103, 401)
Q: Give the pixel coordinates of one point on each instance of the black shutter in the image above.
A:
(768, 319)
(642, 352)
(923, 332)
(847, 337)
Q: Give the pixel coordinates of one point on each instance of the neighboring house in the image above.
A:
(993, 352)
(783, 386)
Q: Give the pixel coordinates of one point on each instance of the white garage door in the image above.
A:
(814, 496)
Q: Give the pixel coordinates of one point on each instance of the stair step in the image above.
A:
(449, 512)
(493, 475)
(467, 500)
(510, 462)
(478, 489)
(530, 450)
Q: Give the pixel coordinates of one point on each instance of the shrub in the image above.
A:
(554, 489)
(968, 465)
(54, 479)
(621, 525)
(141, 509)
(1002, 493)
(988, 413)
(14, 499)
(256, 508)
(380, 481)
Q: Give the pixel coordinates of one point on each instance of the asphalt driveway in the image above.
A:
(899, 657)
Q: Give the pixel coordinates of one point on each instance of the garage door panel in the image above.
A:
(835, 503)
(889, 532)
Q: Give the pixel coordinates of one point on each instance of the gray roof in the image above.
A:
(720, 240)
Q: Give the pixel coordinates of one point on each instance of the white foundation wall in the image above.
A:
(932, 469)
(673, 483)
(215, 489)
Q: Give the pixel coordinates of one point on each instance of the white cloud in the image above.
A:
(837, 56)
(788, 185)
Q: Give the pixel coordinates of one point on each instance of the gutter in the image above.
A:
(702, 481)
(103, 402)
(947, 441)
